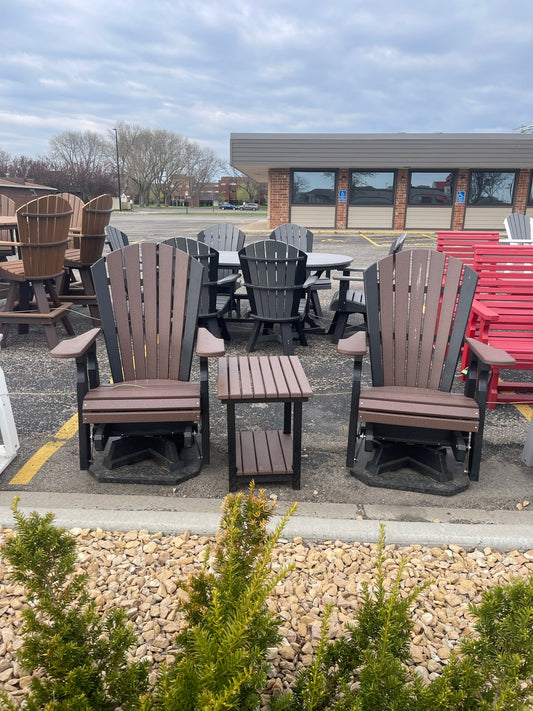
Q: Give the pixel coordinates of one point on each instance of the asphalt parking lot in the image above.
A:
(42, 394)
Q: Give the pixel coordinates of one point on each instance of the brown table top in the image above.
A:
(8, 221)
(260, 378)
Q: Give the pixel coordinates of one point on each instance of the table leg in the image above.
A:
(287, 418)
(232, 447)
(297, 446)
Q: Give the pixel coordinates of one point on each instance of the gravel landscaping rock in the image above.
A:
(146, 574)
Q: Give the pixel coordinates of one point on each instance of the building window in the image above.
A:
(431, 188)
(369, 187)
(313, 187)
(491, 187)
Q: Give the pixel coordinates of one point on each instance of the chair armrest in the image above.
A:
(228, 279)
(9, 243)
(77, 346)
(485, 312)
(312, 279)
(489, 355)
(353, 345)
(207, 345)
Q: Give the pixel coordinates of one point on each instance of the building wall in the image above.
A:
(400, 216)
(21, 195)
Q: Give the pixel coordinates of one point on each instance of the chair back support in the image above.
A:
(208, 258)
(77, 206)
(43, 226)
(95, 217)
(115, 238)
(224, 237)
(295, 235)
(518, 227)
(7, 205)
(461, 243)
(274, 274)
(418, 305)
(148, 296)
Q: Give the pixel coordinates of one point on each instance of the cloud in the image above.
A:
(207, 69)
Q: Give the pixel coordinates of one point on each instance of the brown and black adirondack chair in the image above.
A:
(408, 421)
(115, 238)
(225, 237)
(43, 226)
(95, 216)
(302, 238)
(7, 234)
(148, 296)
(347, 301)
(213, 304)
(275, 277)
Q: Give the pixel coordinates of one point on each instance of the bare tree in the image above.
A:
(249, 186)
(84, 155)
(170, 151)
(202, 165)
(5, 160)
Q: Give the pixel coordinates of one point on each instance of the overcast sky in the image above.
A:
(205, 69)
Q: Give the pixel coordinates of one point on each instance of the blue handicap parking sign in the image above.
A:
(343, 195)
(460, 196)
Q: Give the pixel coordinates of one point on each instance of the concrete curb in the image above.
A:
(501, 530)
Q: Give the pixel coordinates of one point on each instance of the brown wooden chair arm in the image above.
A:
(77, 346)
(489, 355)
(485, 312)
(353, 345)
(9, 243)
(207, 345)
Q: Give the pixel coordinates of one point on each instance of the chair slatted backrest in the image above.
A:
(148, 296)
(295, 235)
(418, 305)
(7, 205)
(43, 226)
(274, 274)
(115, 238)
(461, 243)
(95, 217)
(224, 237)
(518, 227)
(77, 205)
(208, 258)
(505, 277)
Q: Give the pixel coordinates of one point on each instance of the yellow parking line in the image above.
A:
(525, 410)
(32, 466)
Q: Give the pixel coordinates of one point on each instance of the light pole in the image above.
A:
(118, 172)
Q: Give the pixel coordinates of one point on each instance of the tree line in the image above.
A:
(152, 163)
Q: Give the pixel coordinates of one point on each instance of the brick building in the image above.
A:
(390, 181)
(22, 191)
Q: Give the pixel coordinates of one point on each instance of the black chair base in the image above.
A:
(423, 469)
(148, 460)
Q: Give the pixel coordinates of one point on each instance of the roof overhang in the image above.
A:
(256, 153)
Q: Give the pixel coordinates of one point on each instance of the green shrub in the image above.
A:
(368, 669)
(221, 661)
(78, 657)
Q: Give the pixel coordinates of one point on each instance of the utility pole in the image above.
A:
(118, 172)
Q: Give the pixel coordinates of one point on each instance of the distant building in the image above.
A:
(390, 181)
(22, 191)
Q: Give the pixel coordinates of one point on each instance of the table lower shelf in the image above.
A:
(264, 453)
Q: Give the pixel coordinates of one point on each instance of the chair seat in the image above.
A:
(418, 407)
(355, 302)
(143, 401)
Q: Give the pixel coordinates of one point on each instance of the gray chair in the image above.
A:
(115, 238)
(518, 227)
(275, 277)
(302, 238)
(348, 301)
(225, 237)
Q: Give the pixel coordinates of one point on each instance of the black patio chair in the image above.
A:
(214, 304)
(115, 238)
(275, 277)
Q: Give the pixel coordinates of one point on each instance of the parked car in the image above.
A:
(227, 206)
(249, 206)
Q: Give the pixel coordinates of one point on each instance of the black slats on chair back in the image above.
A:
(115, 238)
(148, 295)
(418, 304)
(208, 258)
(274, 273)
(295, 235)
